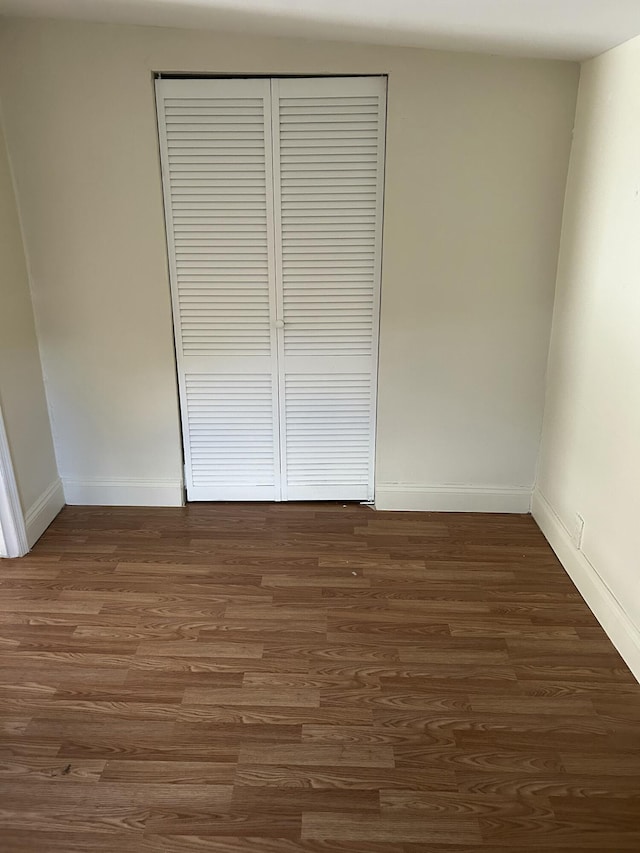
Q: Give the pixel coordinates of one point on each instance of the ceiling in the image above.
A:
(561, 29)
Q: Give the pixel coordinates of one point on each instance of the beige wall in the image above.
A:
(22, 395)
(477, 153)
(590, 456)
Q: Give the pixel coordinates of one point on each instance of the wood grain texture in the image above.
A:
(307, 678)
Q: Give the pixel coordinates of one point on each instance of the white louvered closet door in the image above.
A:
(215, 141)
(273, 199)
(328, 167)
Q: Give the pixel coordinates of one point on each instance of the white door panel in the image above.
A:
(218, 188)
(328, 137)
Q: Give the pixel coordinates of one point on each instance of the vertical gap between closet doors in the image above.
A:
(279, 296)
(273, 252)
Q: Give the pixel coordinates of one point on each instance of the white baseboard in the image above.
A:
(123, 492)
(619, 627)
(40, 515)
(426, 498)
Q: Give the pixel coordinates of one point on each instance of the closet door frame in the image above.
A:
(270, 88)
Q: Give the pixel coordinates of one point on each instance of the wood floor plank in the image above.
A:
(308, 678)
(330, 755)
(397, 803)
(54, 769)
(250, 798)
(291, 697)
(174, 772)
(337, 826)
(204, 649)
(345, 777)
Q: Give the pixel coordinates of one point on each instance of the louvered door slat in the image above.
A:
(328, 156)
(218, 187)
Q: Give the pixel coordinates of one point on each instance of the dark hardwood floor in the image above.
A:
(260, 678)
